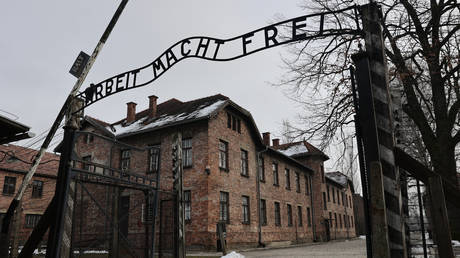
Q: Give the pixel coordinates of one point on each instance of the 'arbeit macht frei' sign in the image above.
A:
(296, 29)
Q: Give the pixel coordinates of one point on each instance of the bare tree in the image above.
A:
(422, 45)
(422, 40)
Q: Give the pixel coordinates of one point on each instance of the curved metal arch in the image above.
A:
(130, 80)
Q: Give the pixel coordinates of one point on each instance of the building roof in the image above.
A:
(13, 131)
(299, 149)
(19, 159)
(170, 113)
(174, 112)
(339, 179)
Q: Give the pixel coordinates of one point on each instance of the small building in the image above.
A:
(15, 162)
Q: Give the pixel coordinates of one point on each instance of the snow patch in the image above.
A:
(362, 237)
(233, 254)
(338, 178)
(295, 149)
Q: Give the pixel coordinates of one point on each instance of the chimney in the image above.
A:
(131, 112)
(266, 138)
(276, 142)
(152, 106)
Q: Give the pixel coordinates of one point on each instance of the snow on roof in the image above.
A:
(337, 177)
(294, 149)
(201, 112)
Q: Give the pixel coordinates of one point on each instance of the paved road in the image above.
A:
(345, 249)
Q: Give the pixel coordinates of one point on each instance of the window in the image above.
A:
(330, 218)
(289, 214)
(187, 160)
(343, 198)
(277, 214)
(223, 155)
(261, 169)
(307, 185)
(148, 210)
(9, 185)
(224, 207)
(31, 220)
(299, 216)
(297, 182)
(244, 163)
(125, 159)
(345, 220)
(340, 220)
(335, 219)
(233, 122)
(328, 195)
(349, 197)
(263, 212)
(322, 173)
(188, 205)
(275, 174)
(288, 179)
(37, 189)
(338, 197)
(154, 159)
(333, 194)
(86, 165)
(324, 201)
(246, 211)
(308, 217)
(89, 138)
(352, 221)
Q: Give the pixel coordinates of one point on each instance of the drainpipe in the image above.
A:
(259, 224)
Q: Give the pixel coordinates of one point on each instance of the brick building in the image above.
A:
(279, 198)
(15, 162)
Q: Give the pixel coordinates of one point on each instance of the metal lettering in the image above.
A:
(246, 41)
(170, 57)
(268, 36)
(202, 45)
(182, 47)
(271, 38)
(156, 65)
(296, 26)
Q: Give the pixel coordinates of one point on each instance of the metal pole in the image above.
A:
(178, 187)
(64, 110)
(422, 223)
(362, 167)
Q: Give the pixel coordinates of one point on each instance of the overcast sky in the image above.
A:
(41, 39)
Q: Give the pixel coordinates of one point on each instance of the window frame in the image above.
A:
(37, 189)
(262, 169)
(9, 188)
(324, 202)
(246, 209)
(307, 184)
(276, 181)
(154, 150)
(223, 153)
(125, 160)
(287, 176)
(297, 181)
(277, 209)
(289, 214)
(299, 216)
(188, 205)
(244, 163)
(263, 212)
(308, 217)
(31, 220)
(187, 153)
(224, 215)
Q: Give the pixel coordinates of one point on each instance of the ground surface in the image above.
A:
(355, 248)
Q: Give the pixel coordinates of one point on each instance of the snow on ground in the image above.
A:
(233, 254)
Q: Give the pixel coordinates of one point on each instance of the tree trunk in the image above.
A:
(444, 164)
